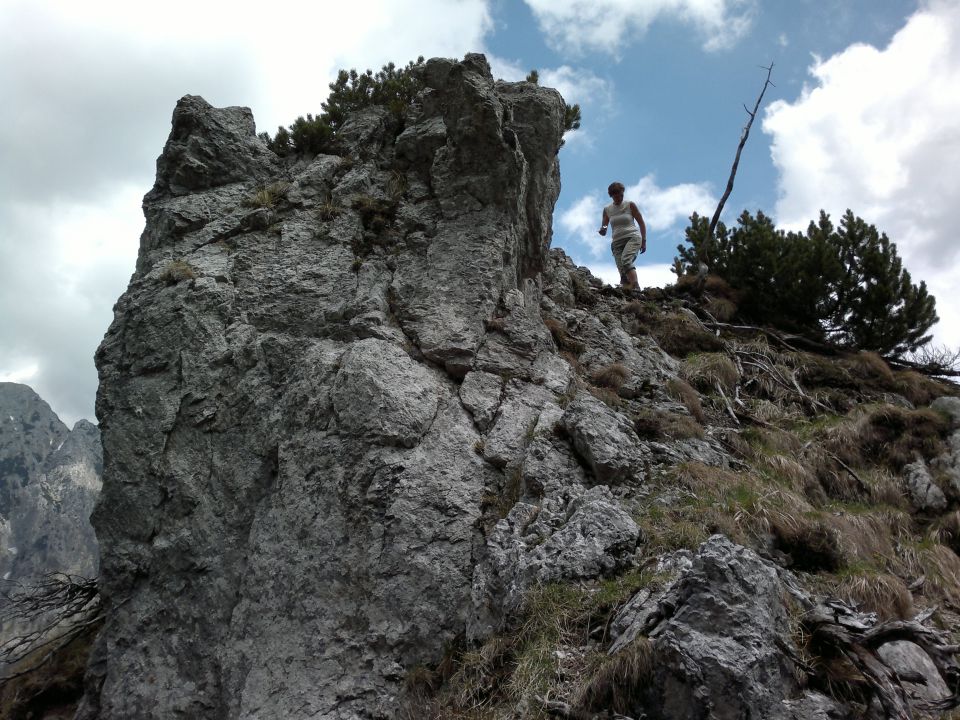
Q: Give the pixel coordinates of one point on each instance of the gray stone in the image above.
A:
(917, 672)
(292, 511)
(381, 395)
(586, 537)
(924, 494)
(949, 406)
(516, 422)
(480, 393)
(717, 633)
(605, 440)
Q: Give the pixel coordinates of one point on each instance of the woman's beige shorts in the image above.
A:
(625, 251)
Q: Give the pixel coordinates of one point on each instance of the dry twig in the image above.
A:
(55, 611)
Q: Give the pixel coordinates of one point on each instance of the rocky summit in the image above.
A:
(373, 450)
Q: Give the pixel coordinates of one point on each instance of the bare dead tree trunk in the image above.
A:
(736, 161)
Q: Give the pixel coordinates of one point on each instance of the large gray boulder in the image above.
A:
(296, 485)
(718, 628)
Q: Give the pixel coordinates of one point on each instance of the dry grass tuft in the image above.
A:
(681, 391)
(268, 196)
(773, 441)
(562, 337)
(480, 674)
(885, 488)
(611, 376)
(572, 360)
(917, 388)
(870, 535)
(771, 412)
(681, 334)
(607, 396)
(707, 370)
(940, 567)
(881, 593)
(721, 308)
(328, 211)
(812, 544)
(643, 311)
(898, 435)
(886, 435)
(718, 287)
(820, 371)
(616, 683)
(946, 530)
(787, 471)
(871, 368)
(681, 427)
(176, 271)
(656, 425)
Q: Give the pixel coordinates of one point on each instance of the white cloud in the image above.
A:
(578, 86)
(581, 221)
(663, 208)
(66, 263)
(878, 131)
(606, 25)
(23, 374)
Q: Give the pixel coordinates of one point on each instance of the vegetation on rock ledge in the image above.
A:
(392, 88)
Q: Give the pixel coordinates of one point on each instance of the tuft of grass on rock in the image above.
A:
(562, 337)
(177, 271)
(617, 682)
(267, 196)
(681, 391)
(706, 371)
(611, 376)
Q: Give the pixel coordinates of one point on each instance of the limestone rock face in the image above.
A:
(353, 412)
(719, 627)
(292, 514)
(49, 482)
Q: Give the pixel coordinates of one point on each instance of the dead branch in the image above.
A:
(736, 160)
(931, 360)
(837, 627)
(726, 402)
(788, 382)
(54, 612)
(864, 488)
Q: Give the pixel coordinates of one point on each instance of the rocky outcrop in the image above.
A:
(49, 482)
(355, 413)
(719, 628)
(292, 512)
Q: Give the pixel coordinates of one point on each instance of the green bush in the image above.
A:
(392, 87)
(844, 284)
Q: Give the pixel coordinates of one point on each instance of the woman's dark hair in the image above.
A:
(615, 187)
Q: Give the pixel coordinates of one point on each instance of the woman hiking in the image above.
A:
(628, 240)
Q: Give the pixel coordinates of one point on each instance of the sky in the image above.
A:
(864, 114)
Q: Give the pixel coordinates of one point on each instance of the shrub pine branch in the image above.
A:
(844, 284)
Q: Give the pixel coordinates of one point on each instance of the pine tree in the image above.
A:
(843, 284)
(878, 306)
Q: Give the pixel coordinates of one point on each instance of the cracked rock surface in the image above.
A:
(291, 516)
(341, 430)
